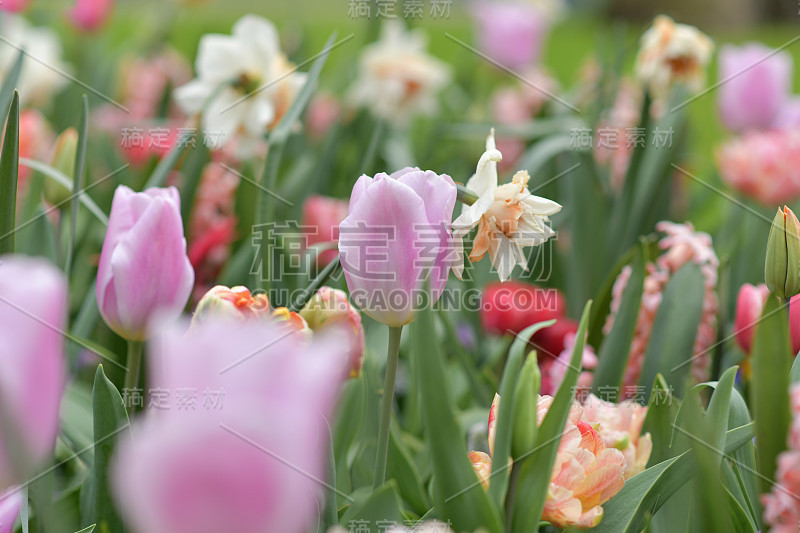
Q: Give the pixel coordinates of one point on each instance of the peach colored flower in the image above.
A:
(236, 302)
(585, 474)
(620, 425)
(681, 245)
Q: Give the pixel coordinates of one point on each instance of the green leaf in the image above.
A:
(769, 388)
(9, 167)
(403, 470)
(614, 352)
(671, 346)
(374, 509)
(645, 493)
(192, 172)
(89, 529)
(661, 411)
(505, 416)
(166, 164)
(78, 175)
(457, 493)
(534, 478)
(110, 424)
(11, 78)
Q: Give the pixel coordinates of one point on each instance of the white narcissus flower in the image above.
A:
(673, 53)
(40, 78)
(508, 217)
(397, 79)
(244, 82)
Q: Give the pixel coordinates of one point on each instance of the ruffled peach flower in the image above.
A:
(782, 505)
(672, 54)
(681, 245)
(509, 217)
(585, 474)
(620, 425)
(763, 165)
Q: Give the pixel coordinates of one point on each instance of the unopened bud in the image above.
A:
(782, 267)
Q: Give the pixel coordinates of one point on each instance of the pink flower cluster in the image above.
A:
(681, 245)
(782, 505)
(764, 165)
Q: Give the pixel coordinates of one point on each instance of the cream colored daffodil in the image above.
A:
(508, 217)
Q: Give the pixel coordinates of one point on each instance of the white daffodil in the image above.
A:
(244, 82)
(397, 79)
(673, 53)
(508, 217)
(43, 71)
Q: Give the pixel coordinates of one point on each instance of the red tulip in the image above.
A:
(512, 306)
(749, 305)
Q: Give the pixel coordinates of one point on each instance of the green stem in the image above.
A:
(330, 515)
(387, 403)
(464, 195)
(134, 363)
(315, 284)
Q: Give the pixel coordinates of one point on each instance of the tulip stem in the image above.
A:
(134, 363)
(387, 402)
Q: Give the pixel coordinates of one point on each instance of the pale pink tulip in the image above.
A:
(10, 506)
(90, 15)
(143, 266)
(397, 234)
(33, 301)
(620, 426)
(755, 84)
(249, 453)
(510, 33)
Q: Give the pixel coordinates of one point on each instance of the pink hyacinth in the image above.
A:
(681, 245)
(782, 505)
(763, 165)
(249, 456)
(586, 473)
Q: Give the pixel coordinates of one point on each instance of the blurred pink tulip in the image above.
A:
(321, 218)
(510, 33)
(10, 506)
(755, 83)
(15, 6)
(143, 267)
(33, 299)
(90, 15)
(323, 112)
(250, 455)
(764, 165)
(749, 305)
(395, 236)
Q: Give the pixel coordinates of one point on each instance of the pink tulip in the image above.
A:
(321, 218)
(749, 305)
(249, 453)
(90, 15)
(510, 33)
(620, 426)
(33, 299)
(15, 6)
(143, 267)
(755, 83)
(10, 506)
(395, 236)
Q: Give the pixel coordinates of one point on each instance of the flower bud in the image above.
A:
(64, 161)
(235, 302)
(782, 268)
(330, 308)
(526, 399)
(293, 321)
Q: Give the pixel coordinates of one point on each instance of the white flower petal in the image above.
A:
(219, 58)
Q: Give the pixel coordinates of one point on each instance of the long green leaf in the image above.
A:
(78, 175)
(661, 411)
(458, 493)
(110, 424)
(671, 346)
(375, 509)
(769, 389)
(9, 167)
(616, 347)
(166, 164)
(505, 417)
(534, 478)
